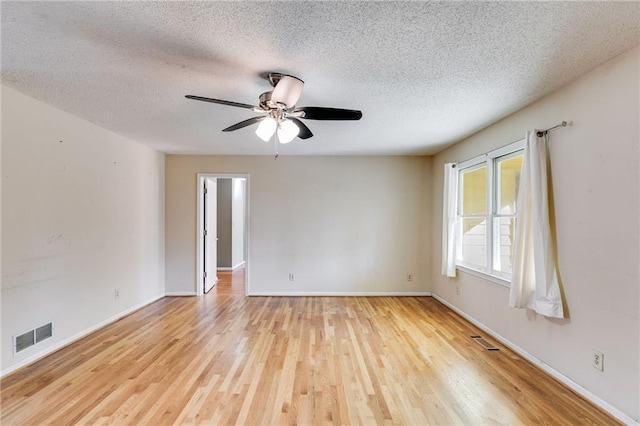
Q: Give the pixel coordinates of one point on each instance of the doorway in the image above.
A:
(222, 232)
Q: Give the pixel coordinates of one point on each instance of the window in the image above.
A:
(487, 210)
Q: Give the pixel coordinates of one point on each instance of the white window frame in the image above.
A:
(488, 160)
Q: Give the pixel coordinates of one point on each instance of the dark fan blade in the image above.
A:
(245, 123)
(321, 113)
(220, 101)
(304, 132)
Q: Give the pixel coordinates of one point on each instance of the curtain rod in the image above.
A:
(539, 134)
(543, 132)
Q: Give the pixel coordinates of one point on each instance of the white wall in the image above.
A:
(339, 224)
(595, 165)
(237, 222)
(224, 219)
(82, 215)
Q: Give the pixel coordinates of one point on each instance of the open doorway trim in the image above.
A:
(200, 227)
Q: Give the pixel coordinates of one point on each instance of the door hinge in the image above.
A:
(205, 232)
(205, 275)
(205, 189)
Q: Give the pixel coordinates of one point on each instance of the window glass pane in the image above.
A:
(508, 181)
(473, 185)
(473, 241)
(505, 231)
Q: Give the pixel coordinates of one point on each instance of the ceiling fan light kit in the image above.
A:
(266, 128)
(282, 116)
(287, 91)
(287, 131)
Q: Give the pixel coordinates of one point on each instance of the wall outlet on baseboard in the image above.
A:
(409, 277)
(458, 290)
(291, 277)
(597, 360)
(116, 294)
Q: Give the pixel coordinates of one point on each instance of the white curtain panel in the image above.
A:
(449, 211)
(534, 278)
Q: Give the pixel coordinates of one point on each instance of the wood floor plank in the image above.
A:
(227, 359)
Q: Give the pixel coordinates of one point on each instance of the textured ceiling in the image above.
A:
(424, 74)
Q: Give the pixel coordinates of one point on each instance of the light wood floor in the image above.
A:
(230, 282)
(229, 359)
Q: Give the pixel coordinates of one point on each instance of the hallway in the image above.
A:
(230, 282)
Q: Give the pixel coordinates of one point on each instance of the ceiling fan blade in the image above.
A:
(321, 113)
(220, 101)
(304, 132)
(245, 123)
(287, 91)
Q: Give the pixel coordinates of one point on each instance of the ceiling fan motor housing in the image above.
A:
(275, 77)
(265, 100)
(276, 110)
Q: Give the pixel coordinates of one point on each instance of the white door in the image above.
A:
(210, 233)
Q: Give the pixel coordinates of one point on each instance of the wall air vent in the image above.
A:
(30, 338)
(24, 341)
(44, 332)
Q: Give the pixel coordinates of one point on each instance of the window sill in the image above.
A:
(493, 278)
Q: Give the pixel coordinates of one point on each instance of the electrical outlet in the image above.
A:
(116, 294)
(598, 360)
(458, 290)
(291, 277)
(409, 277)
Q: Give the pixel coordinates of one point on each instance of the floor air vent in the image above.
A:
(484, 343)
(30, 338)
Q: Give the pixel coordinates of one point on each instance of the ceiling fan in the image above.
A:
(281, 116)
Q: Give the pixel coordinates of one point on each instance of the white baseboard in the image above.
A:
(230, 268)
(545, 367)
(78, 336)
(179, 293)
(340, 293)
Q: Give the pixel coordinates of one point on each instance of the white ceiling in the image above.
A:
(424, 74)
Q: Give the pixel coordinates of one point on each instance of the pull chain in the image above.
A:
(275, 145)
